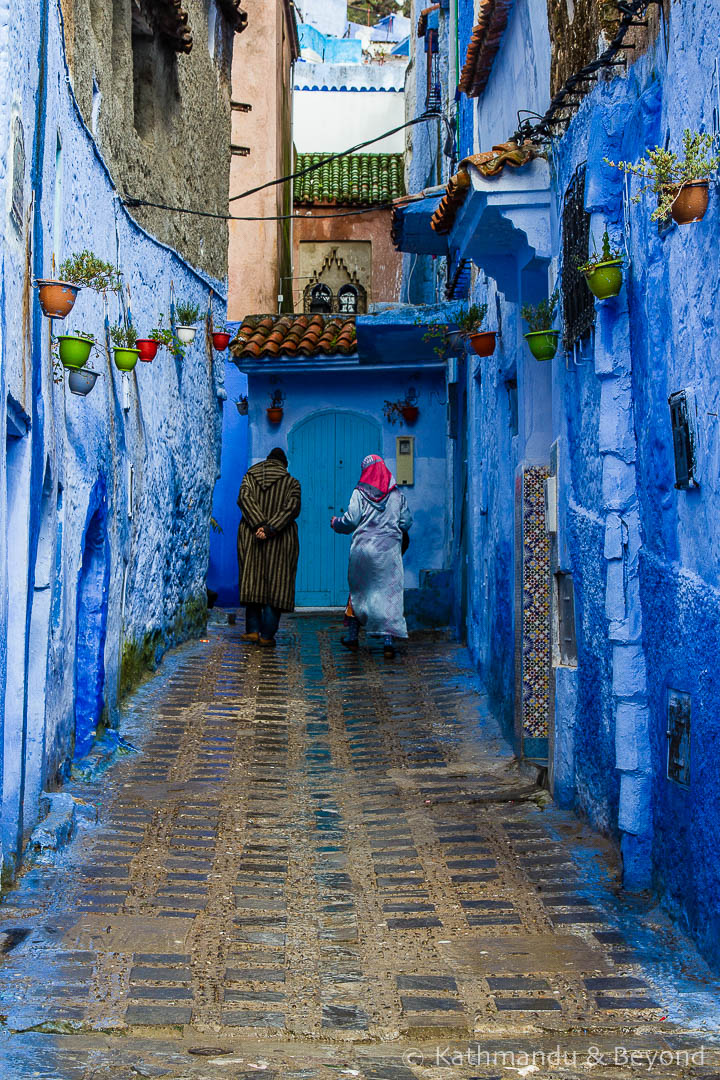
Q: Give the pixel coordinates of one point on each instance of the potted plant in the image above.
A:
(541, 338)
(185, 315)
(75, 349)
(275, 411)
(241, 404)
(82, 380)
(470, 323)
(163, 337)
(124, 338)
(406, 410)
(681, 185)
(603, 272)
(221, 338)
(57, 295)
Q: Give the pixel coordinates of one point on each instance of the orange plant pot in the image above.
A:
(56, 297)
(483, 343)
(274, 415)
(691, 202)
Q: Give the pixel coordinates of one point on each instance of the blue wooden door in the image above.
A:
(326, 451)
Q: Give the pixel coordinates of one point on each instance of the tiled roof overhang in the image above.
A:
(271, 336)
(355, 180)
(483, 47)
(490, 163)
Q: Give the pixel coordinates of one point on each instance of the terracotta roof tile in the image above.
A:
(483, 46)
(355, 180)
(490, 163)
(294, 335)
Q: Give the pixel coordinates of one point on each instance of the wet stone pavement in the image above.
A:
(322, 864)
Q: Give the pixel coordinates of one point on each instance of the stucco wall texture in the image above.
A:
(105, 503)
(163, 130)
(643, 555)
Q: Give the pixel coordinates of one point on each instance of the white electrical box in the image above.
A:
(405, 458)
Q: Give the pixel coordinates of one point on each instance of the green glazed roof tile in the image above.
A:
(355, 180)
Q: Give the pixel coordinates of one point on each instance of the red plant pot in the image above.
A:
(274, 415)
(221, 340)
(410, 413)
(147, 349)
(483, 343)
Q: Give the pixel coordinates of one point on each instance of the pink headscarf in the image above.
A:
(376, 480)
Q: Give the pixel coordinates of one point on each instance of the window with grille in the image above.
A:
(433, 100)
(578, 301)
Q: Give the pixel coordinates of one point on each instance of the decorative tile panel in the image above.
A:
(535, 609)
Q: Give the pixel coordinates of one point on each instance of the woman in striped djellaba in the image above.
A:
(268, 545)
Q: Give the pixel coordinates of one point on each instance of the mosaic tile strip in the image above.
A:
(535, 606)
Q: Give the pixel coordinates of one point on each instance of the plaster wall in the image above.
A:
(168, 144)
(255, 283)
(374, 227)
(334, 120)
(133, 463)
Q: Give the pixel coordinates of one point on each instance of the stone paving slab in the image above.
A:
(317, 857)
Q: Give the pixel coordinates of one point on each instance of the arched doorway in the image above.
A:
(326, 450)
(92, 599)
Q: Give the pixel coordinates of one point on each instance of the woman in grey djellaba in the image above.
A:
(379, 519)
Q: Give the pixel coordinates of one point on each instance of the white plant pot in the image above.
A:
(186, 334)
(82, 380)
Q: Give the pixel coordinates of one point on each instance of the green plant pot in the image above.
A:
(543, 343)
(126, 359)
(74, 350)
(605, 279)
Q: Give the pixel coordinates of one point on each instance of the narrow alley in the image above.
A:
(320, 864)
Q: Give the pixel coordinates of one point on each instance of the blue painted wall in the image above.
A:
(223, 567)
(141, 451)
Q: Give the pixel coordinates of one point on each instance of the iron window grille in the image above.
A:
(319, 299)
(678, 737)
(684, 440)
(433, 99)
(578, 301)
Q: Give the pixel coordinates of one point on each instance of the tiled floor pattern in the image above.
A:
(315, 844)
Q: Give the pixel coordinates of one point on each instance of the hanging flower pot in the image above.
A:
(147, 347)
(483, 342)
(275, 414)
(56, 297)
(221, 340)
(74, 350)
(543, 343)
(186, 334)
(242, 406)
(410, 413)
(605, 279)
(126, 359)
(82, 380)
(690, 201)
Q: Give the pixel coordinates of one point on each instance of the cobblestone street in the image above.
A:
(325, 865)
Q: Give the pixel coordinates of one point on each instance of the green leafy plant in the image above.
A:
(186, 313)
(123, 335)
(608, 253)
(665, 172)
(81, 333)
(541, 316)
(393, 410)
(437, 333)
(215, 525)
(166, 339)
(85, 269)
(470, 321)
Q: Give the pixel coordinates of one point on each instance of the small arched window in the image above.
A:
(348, 300)
(320, 299)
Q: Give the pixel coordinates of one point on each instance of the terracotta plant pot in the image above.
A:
(126, 359)
(410, 413)
(186, 334)
(274, 415)
(221, 340)
(74, 350)
(483, 342)
(82, 380)
(543, 343)
(56, 297)
(605, 279)
(691, 202)
(147, 349)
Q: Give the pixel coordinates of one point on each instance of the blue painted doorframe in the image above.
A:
(326, 450)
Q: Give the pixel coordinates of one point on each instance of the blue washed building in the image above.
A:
(105, 499)
(589, 588)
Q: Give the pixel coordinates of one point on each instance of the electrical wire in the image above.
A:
(129, 202)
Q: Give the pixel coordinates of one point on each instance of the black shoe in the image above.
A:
(389, 652)
(350, 643)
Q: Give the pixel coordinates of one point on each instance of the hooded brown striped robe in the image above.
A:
(270, 497)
